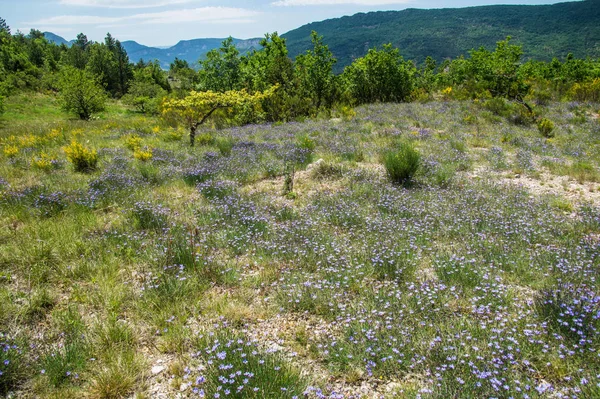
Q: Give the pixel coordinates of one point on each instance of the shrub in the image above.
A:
(586, 91)
(44, 162)
(522, 116)
(11, 151)
(546, 127)
(143, 155)
(133, 142)
(306, 143)
(402, 164)
(497, 106)
(83, 159)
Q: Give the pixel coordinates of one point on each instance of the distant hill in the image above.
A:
(56, 39)
(545, 31)
(189, 50)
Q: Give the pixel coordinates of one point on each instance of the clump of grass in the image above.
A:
(225, 146)
(443, 175)
(64, 364)
(584, 171)
(114, 334)
(12, 365)
(328, 170)
(402, 164)
(40, 302)
(562, 204)
(83, 159)
(118, 378)
(581, 170)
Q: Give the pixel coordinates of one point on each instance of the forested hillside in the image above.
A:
(545, 31)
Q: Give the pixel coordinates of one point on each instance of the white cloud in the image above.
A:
(123, 3)
(203, 14)
(75, 20)
(287, 3)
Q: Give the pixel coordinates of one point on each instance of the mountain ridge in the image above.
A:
(544, 31)
(189, 50)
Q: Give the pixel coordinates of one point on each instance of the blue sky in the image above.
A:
(165, 22)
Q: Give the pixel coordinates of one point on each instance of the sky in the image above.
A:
(165, 22)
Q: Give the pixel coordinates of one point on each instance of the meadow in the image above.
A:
(279, 261)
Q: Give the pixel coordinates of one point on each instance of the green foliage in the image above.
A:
(80, 93)
(380, 76)
(546, 127)
(225, 145)
(220, 71)
(314, 70)
(83, 159)
(307, 143)
(145, 96)
(498, 71)
(152, 74)
(183, 76)
(205, 139)
(268, 67)
(402, 163)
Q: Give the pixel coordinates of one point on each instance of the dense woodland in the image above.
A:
(544, 31)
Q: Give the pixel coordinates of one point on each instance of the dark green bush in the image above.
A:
(402, 164)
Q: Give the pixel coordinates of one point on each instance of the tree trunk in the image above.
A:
(193, 134)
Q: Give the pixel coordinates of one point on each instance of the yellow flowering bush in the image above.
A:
(11, 151)
(82, 158)
(133, 142)
(43, 162)
(143, 155)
